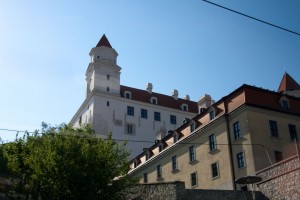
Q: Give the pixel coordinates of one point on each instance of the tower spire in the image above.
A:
(103, 42)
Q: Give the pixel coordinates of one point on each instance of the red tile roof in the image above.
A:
(162, 100)
(288, 83)
(103, 42)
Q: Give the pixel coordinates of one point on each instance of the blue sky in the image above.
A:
(191, 46)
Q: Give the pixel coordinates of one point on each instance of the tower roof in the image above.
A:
(103, 42)
(288, 83)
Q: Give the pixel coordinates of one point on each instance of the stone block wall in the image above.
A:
(281, 181)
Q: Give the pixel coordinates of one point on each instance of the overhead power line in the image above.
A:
(254, 18)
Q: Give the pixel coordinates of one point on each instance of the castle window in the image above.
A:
(153, 100)
(145, 177)
(107, 103)
(130, 110)
(127, 95)
(236, 130)
(184, 107)
(107, 89)
(192, 153)
(273, 128)
(215, 170)
(240, 159)
(144, 113)
(212, 142)
(211, 114)
(130, 129)
(174, 163)
(278, 156)
(293, 132)
(157, 116)
(194, 179)
(172, 119)
(159, 171)
(107, 76)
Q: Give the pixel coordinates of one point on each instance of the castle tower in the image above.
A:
(103, 73)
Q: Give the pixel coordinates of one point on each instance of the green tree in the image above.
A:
(66, 163)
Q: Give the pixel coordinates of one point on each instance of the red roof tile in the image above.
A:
(103, 42)
(288, 83)
(162, 100)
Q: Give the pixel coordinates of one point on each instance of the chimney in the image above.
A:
(175, 94)
(205, 102)
(149, 87)
(187, 97)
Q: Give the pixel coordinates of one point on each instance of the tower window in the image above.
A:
(240, 159)
(107, 76)
(107, 103)
(107, 89)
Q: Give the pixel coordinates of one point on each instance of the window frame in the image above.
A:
(273, 128)
(130, 110)
(174, 163)
(192, 153)
(212, 142)
(144, 113)
(236, 130)
(194, 179)
(159, 171)
(241, 161)
(215, 168)
(293, 132)
(157, 116)
(130, 129)
(173, 119)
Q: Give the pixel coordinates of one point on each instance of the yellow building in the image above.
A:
(242, 133)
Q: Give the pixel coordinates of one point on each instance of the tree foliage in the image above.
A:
(67, 163)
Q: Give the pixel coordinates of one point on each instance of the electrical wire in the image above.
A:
(254, 18)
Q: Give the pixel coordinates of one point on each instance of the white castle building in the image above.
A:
(130, 114)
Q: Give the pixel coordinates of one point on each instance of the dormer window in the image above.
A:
(212, 113)
(184, 107)
(127, 95)
(153, 100)
(193, 126)
(284, 102)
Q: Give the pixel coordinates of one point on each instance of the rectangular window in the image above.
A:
(144, 113)
(278, 156)
(130, 110)
(214, 170)
(212, 142)
(130, 129)
(211, 115)
(159, 171)
(192, 153)
(192, 127)
(127, 95)
(157, 116)
(107, 103)
(236, 130)
(174, 163)
(293, 132)
(173, 119)
(273, 128)
(240, 159)
(175, 138)
(194, 179)
(285, 105)
(145, 178)
(107, 76)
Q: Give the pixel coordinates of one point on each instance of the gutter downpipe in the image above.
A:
(229, 146)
